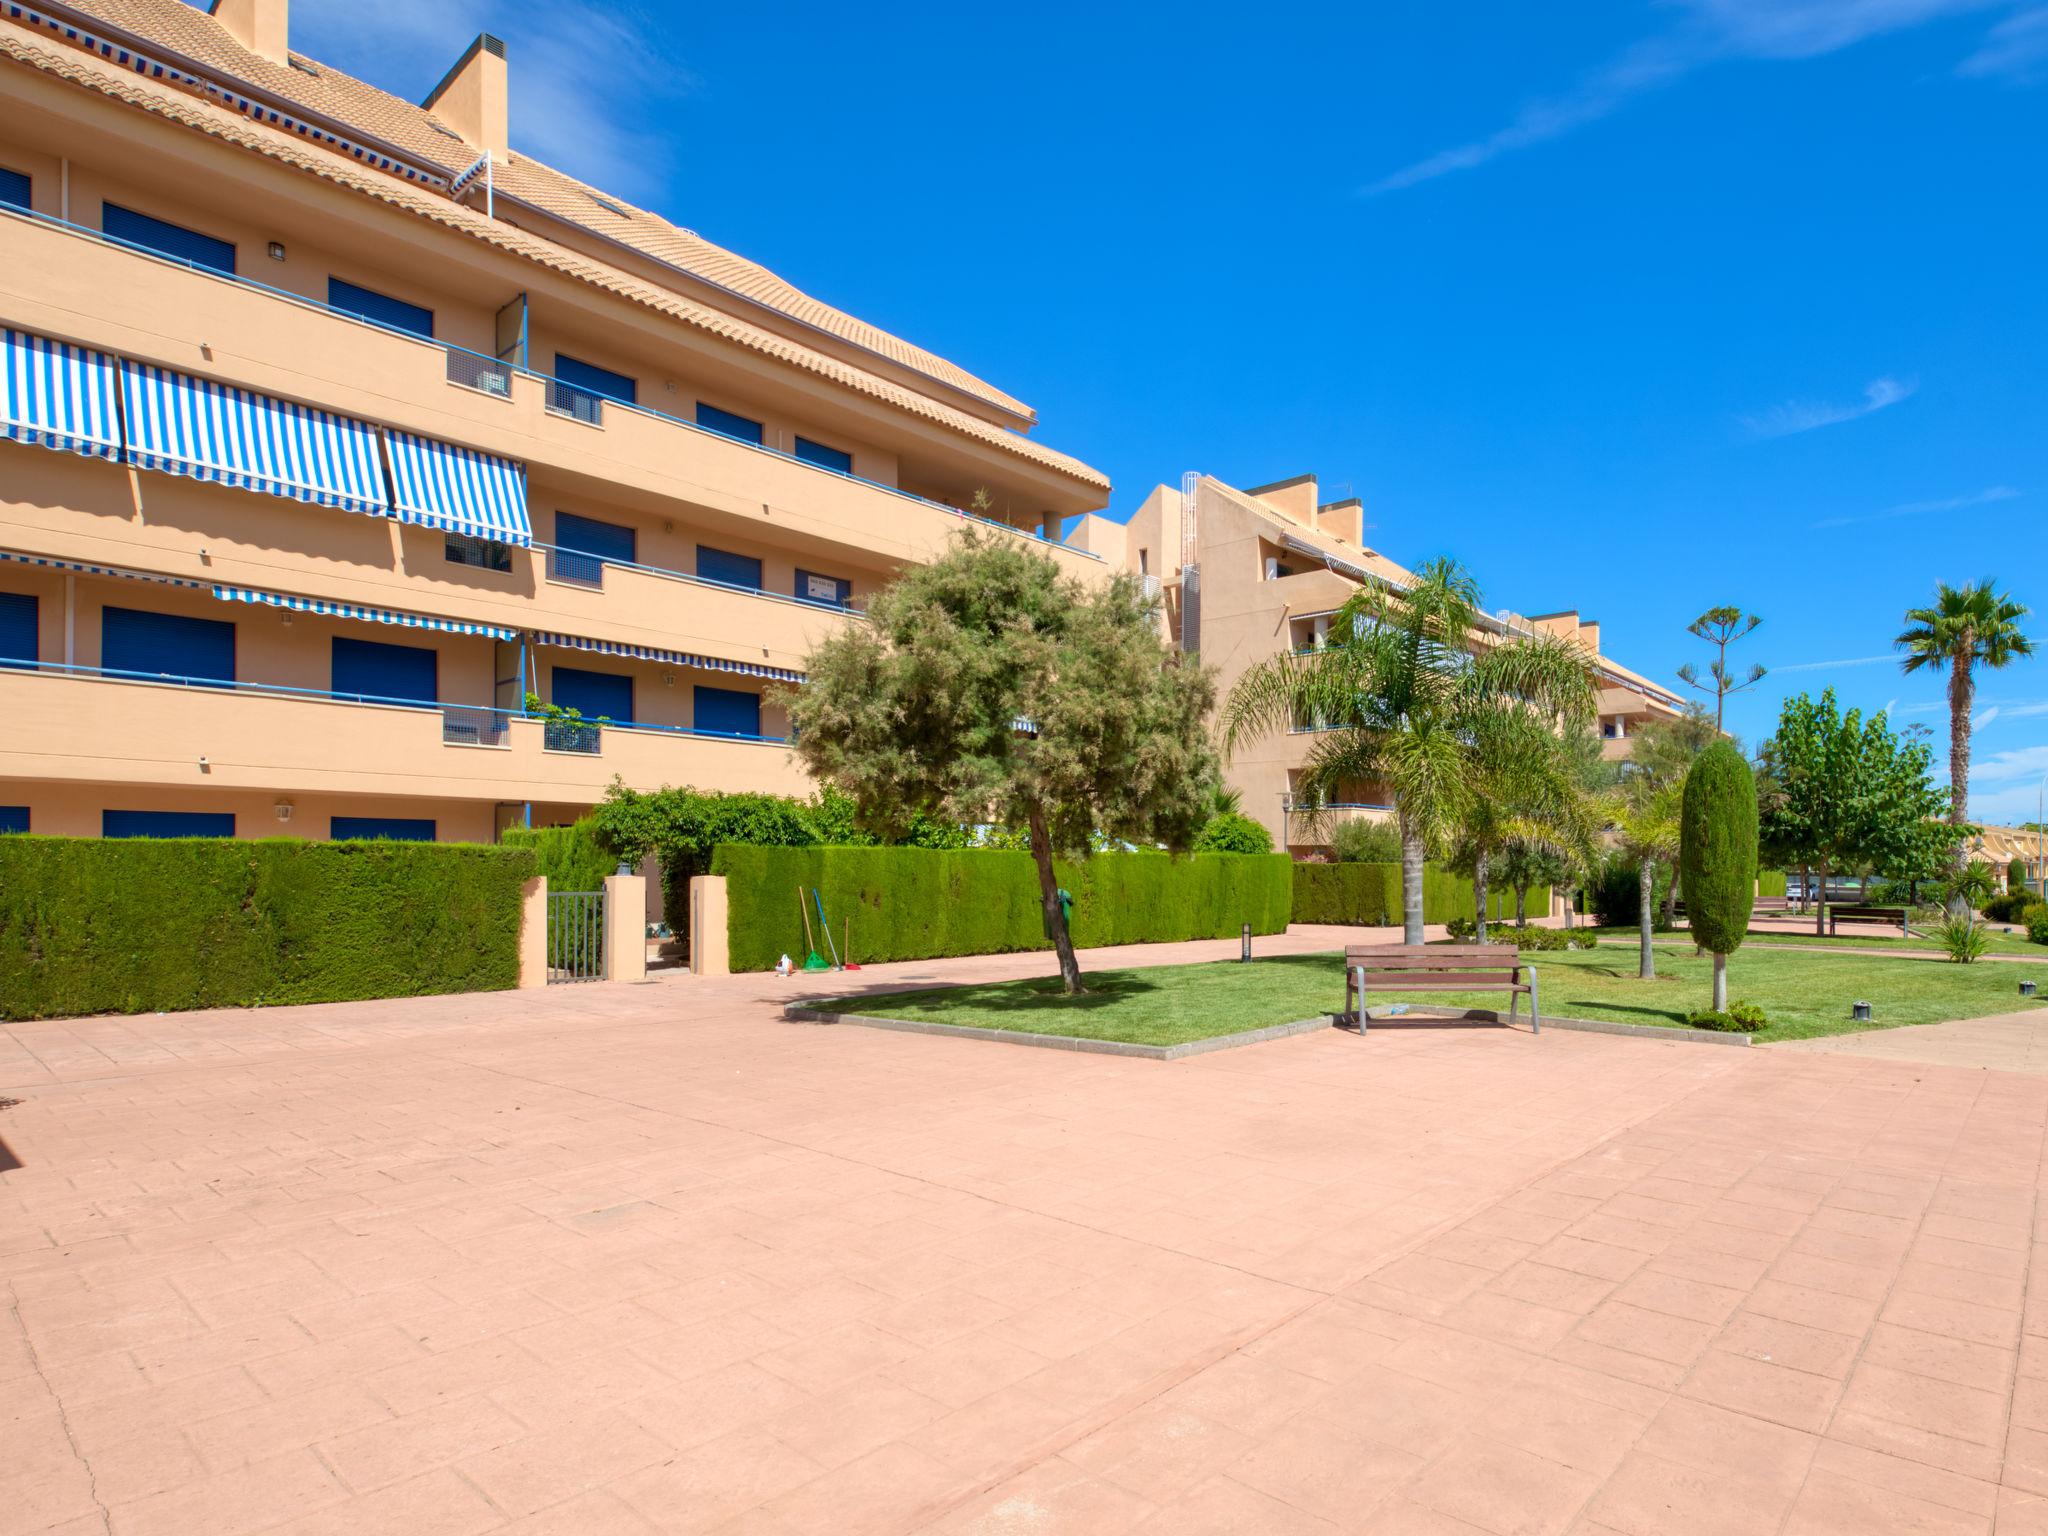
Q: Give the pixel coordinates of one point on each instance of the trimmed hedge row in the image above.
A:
(91, 925)
(1369, 895)
(1770, 882)
(922, 903)
(571, 857)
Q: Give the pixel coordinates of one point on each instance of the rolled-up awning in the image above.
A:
(56, 395)
(458, 489)
(321, 605)
(671, 658)
(189, 426)
(80, 568)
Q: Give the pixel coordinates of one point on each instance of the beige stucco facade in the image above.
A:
(872, 454)
(1248, 574)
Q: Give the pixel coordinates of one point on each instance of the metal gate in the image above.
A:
(575, 936)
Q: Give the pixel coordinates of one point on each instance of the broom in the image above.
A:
(813, 961)
(826, 928)
(848, 924)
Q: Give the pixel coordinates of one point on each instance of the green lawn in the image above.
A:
(2014, 943)
(1804, 995)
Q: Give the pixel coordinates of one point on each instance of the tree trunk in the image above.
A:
(1521, 906)
(1411, 884)
(1671, 899)
(1646, 915)
(1479, 865)
(1962, 689)
(1571, 900)
(1049, 901)
(1720, 983)
(1820, 905)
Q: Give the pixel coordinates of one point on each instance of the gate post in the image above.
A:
(709, 951)
(533, 932)
(625, 928)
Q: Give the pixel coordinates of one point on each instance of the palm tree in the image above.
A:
(1967, 627)
(1401, 699)
(1643, 814)
(1527, 804)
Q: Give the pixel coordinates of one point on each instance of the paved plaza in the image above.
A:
(633, 1259)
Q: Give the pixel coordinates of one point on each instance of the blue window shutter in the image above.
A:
(173, 240)
(594, 695)
(13, 818)
(744, 428)
(380, 307)
(813, 588)
(372, 669)
(825, 458)
(167, 824)
(397, 829)
(733, 570)
(728, 711)
(594, 380)
(14, 188)
(588, 536)
(167, 645)
(17, 628)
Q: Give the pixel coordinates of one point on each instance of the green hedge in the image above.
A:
(922, 903)
(1770, 882)
(90, 925)
(571, 857)
(1369, 895)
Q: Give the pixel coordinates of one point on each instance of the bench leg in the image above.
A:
(1359, 974)
(1535, 1015)
(1514, 1006)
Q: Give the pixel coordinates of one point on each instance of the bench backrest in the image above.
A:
(1841, 909)
(1431, 959)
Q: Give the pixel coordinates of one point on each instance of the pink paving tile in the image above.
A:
(1334, 1470)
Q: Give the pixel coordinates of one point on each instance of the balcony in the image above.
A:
(77, 285)
(1306, 829)
(78, 724)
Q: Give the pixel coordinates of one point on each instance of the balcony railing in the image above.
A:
(578, 568)
(493, 376)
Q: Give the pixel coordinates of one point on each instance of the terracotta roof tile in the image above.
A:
(90, 72)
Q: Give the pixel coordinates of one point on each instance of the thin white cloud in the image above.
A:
(1703, 32)
(1990, 494)
(1796, 416)
(1829, 666)
(1983, 717)
(2017, 49)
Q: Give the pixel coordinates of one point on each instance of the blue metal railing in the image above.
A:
(579, 568)
(492, 375)
(461, 724)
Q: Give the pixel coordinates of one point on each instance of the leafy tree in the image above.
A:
(987, 687)
(1965, 628)
(1365, 842)
(1233, 833)
(1722, 627)
(1526, 800)
(1643, 823)
(1407, 700)
(1717, 856)
(2015, 874)
(1843, 794)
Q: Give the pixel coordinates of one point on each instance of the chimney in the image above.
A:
(1343, 520)
(472, 98)
(258, 25)
(1589, 635)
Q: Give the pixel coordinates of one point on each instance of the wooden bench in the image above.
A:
(1897, 915)
(1437, 968)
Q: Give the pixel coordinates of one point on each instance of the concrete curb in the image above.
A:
(801, 1014)
(1593, 1027)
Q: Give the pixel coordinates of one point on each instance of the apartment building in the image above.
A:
(332, 429)
(1248, 574)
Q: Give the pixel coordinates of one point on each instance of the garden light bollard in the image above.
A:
(1860, 1012)
(1244, 952)
(2026, 989)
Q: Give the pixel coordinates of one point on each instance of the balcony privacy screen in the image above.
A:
(458, 489)
(58, 396)
(183, 425)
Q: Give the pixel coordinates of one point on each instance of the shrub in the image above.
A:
(90, 925)
(1548, 939)
(1463, 929)
(1232, 832)
(1717, 848)
(1770, 882)
(1616, 897)
(1366, 842)
(2036, 918)
(1964, 938)
(2009, 906)
(920, 904)
(574, 858)
(1738, 1017)
(2016, 874)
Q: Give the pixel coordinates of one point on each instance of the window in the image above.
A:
(173, 240)
(371, 669)
(733, 570)
(167, 824)
(589, 379)
(484, 554)
(726, 423)
(13, 818)
(728, 712)
(1607, 729)
(823, 457)
(594, 695)
(14, 188)
(17, 629)
(167, 645)
(583, 545)
(382, 308)
(397, 829)
(813, 588)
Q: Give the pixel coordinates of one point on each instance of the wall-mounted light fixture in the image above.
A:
(283, 809)
(277, 250)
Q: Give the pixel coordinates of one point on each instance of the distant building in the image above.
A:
(1247, 574)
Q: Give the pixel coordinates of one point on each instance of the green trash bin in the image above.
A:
(1066, 900)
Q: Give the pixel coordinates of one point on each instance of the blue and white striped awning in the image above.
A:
(79, 568)
(321, 605)
(671, 658)
(187, 426)
(56, 395)
(458, 489)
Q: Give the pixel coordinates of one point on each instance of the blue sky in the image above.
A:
(1636, 306)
